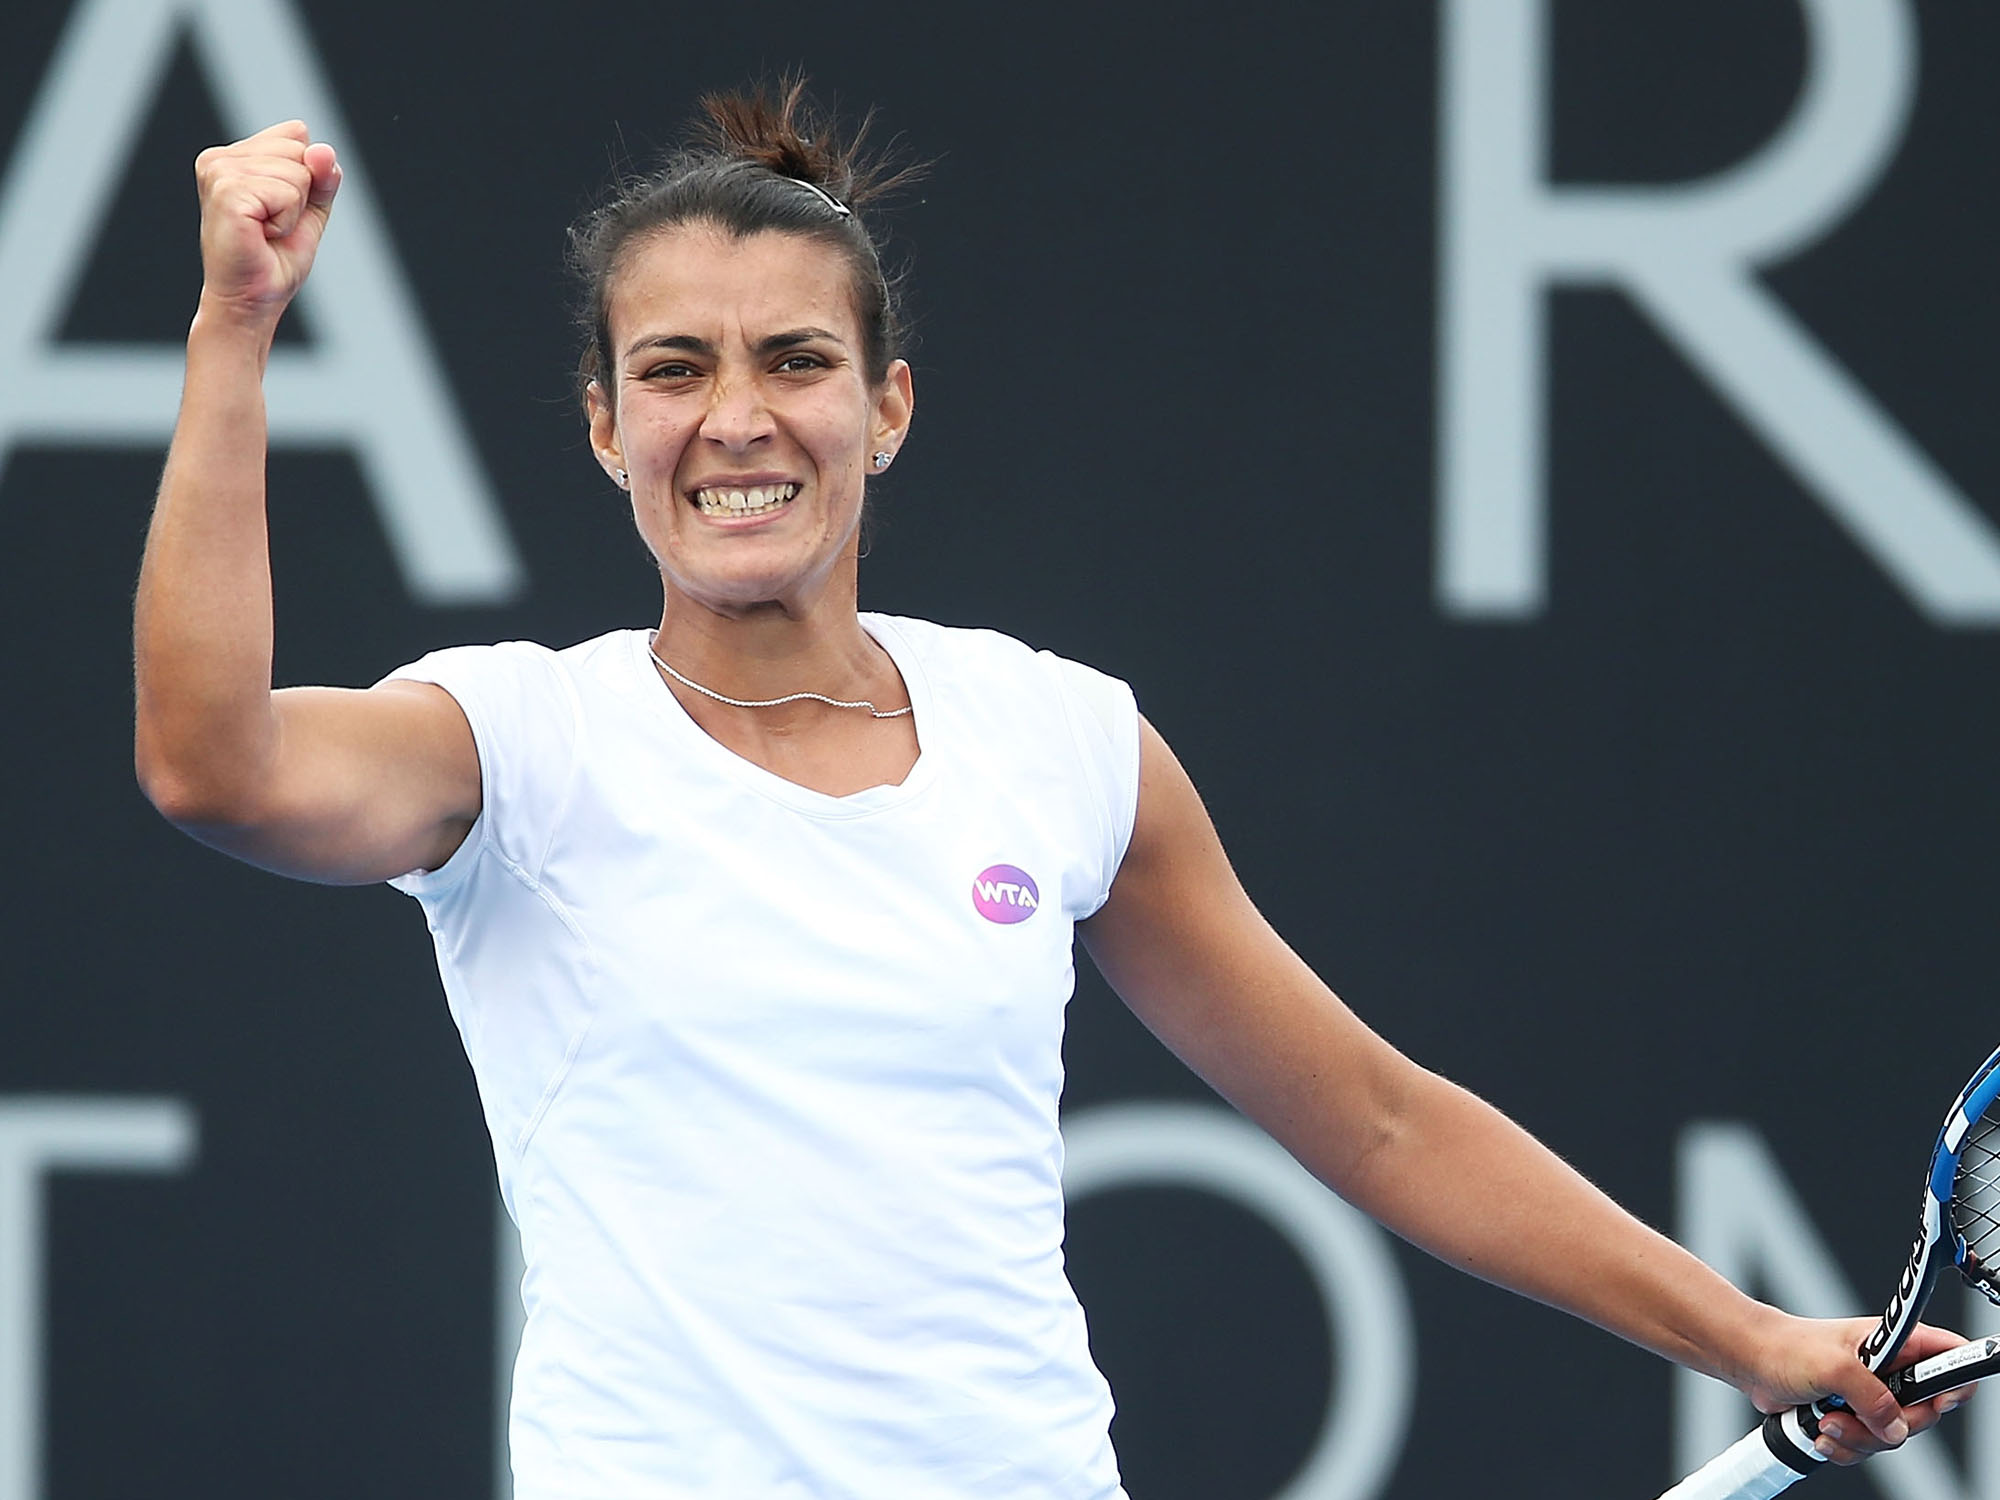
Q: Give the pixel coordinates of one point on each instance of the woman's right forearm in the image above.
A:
(203, 621)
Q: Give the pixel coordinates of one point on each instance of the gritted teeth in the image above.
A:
(722, 500)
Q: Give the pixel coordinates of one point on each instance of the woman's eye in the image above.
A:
(672, 370)
(794, 364)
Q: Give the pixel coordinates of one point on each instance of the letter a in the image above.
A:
(370, 379)
(1687, 254)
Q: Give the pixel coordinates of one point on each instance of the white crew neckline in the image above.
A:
(768, 783)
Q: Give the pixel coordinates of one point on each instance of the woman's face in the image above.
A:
(741, 411)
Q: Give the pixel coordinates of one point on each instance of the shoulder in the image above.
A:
(600, 655)
(1003, 691)
(951, 645)
(955, 649)
(529, 707)
(1101, 708)
(519, 668)
(527, 703)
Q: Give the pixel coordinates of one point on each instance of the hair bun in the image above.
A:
(780, 127)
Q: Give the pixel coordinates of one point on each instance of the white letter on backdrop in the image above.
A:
(1367, 1310)
(39, 1136)
(1687, 254)
(370, 380)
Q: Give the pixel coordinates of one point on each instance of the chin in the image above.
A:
(730, 593)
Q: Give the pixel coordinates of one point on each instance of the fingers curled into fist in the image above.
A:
(265, 201)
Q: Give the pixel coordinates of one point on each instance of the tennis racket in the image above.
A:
(1960, 1224)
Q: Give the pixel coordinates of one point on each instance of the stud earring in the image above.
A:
(621, 477)
(882, 459)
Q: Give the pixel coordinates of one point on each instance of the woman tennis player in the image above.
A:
(758, 926)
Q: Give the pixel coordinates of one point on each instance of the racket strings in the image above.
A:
(1975, 1205)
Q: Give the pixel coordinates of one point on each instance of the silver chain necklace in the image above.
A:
(689, 682)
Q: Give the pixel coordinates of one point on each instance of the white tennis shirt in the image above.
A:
(772, 1076)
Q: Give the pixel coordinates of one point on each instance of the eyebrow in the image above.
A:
(791, 338)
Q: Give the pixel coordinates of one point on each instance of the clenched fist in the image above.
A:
(264, 206)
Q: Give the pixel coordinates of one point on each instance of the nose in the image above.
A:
(737, 414)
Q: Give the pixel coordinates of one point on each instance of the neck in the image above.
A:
(774, 650)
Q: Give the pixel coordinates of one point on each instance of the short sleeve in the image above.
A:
(527, 725)
(1104, 718)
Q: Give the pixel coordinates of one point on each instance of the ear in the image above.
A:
(895, 403)
(604, 432)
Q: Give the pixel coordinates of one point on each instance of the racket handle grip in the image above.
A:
(1752, 1468)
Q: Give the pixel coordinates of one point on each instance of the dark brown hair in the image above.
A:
(751, 164)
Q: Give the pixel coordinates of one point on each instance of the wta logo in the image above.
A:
(1004, 894)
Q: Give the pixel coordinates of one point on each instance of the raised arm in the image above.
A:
(1182, 944)
(322, 783)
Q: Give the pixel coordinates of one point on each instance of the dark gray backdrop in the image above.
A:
(1708, 838)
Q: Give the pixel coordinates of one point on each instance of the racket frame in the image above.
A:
(1788, 1436)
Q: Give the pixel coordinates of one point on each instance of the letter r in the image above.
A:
(1687, 255)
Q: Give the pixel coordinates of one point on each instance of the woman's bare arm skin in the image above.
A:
(322, 783)
(1182, 944)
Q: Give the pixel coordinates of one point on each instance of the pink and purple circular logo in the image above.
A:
(1003, 893)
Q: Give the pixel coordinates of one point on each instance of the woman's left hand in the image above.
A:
(1807, 1358)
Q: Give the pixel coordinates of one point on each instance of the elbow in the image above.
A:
(175, 802)
(180, 799)
(183, 790)
(1396, 1109)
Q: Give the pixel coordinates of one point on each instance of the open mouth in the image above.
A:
(751, 500)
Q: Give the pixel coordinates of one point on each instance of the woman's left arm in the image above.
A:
(1184, 947)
